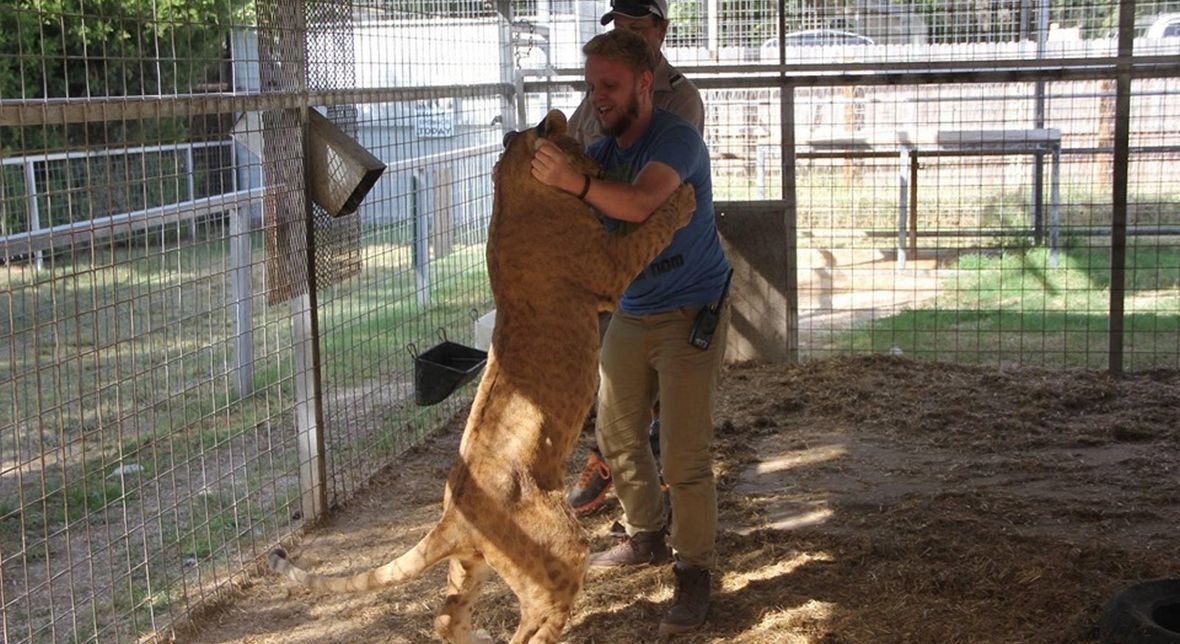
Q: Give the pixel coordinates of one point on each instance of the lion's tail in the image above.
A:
(431, 549)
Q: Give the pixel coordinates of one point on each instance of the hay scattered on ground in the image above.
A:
(863, 500)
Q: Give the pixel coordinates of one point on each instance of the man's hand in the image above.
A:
(551, 168)
(616, 199)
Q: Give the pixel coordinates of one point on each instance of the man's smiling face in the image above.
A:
(614, 93)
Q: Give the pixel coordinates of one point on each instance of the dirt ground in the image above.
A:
(863, 500)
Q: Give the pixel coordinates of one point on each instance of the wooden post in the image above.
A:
(312, 468)
(291, 234)
(1118, 192)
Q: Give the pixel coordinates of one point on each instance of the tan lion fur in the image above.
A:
(552, 269)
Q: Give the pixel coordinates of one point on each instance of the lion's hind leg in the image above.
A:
(546, 576)
(464, 579)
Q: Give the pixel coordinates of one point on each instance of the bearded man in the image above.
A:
(646, 353)
(673, 92)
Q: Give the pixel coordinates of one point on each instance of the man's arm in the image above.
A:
(633, 201)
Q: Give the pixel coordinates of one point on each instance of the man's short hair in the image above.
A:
(624, 46)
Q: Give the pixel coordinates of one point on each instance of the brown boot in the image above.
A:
(690, 603)
(643, 548)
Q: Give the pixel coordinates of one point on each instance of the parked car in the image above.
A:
(1165, 26)
(768, 53)
(819, 37)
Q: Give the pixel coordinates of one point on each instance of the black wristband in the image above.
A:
(585, 187)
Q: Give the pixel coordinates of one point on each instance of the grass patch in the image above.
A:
(125, 355)
(1019, 307)
(394, 318)
(90, 496)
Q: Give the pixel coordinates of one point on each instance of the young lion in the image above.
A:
(553, 268)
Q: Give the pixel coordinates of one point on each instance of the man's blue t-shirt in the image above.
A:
(692, 270)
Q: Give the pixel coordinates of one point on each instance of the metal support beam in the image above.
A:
(903, 202)
(1122, 158)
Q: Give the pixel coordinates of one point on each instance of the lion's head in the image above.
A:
(516, 162)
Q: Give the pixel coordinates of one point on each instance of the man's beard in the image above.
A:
(625, 120)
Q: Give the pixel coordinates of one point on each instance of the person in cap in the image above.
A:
(672, 91)
(645, 155)
(676, 94)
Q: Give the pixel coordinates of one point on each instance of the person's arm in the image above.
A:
(633, 201)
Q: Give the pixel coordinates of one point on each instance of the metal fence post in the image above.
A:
(313, 493)
(1054, 206)
(191, 184)
(243, 300)
(420, 194)
(1119, 177)
(902, 204)
(34, 209)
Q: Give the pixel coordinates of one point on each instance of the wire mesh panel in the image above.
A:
(941, 222)
(196, 359)
(420, 275)
(144, 380)
(951, 170)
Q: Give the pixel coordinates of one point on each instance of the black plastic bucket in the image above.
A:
(443, 368)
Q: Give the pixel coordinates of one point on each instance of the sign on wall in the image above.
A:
(434, 118)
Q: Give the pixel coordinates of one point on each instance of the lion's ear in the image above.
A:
(555, 124)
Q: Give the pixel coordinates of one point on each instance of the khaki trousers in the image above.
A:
(645, 358)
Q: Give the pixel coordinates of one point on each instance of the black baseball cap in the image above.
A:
(636, 9)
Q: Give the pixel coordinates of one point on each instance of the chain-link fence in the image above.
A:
(196, 361)
(961, 181)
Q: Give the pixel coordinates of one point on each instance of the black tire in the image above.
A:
(1146, 613)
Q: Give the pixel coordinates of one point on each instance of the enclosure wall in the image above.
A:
(196, 361)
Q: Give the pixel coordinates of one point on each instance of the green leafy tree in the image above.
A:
(55, 49)
(76, 48)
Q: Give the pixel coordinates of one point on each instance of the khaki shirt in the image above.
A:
(671, 91)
